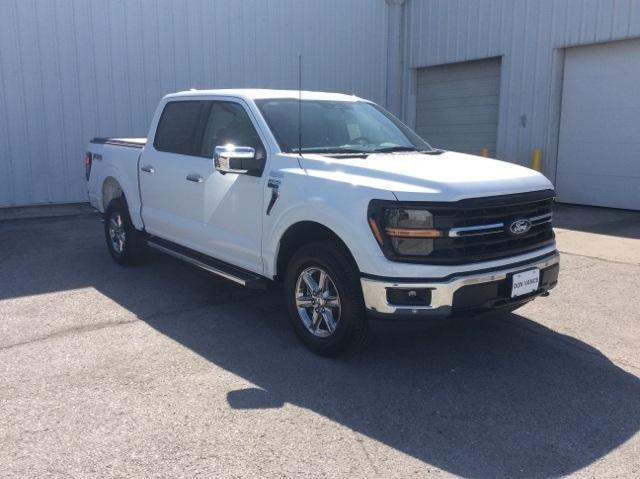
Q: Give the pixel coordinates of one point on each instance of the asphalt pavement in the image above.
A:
(164, 371)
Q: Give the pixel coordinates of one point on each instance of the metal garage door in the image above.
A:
(457, 105)
(599, 142)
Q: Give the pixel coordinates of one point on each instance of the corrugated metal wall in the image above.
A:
(74, 69)
(525, 33)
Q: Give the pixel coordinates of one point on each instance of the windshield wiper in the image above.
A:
(391, 149)
(354, 151)
(334, 151)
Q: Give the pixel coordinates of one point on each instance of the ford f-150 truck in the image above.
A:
(334, 197)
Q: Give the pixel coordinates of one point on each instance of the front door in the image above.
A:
(232, 204)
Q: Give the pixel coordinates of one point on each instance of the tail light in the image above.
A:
(87, 164)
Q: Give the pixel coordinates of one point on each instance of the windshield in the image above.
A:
(337, 127)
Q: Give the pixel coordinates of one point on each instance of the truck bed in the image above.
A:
(129, 142)
(115, 166)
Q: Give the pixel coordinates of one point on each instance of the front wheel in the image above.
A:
(324, 299)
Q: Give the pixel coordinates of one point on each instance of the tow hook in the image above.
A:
(545, 294)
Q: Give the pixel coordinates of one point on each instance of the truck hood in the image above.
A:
(449, 176)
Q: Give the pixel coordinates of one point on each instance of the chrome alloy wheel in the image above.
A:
(318, 302)
(117, 233)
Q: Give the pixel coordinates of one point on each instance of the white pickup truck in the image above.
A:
(333, 196)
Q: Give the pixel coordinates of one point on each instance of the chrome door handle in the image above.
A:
(148, 169)
(195, 178)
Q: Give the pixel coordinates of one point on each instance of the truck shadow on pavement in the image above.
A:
(478, 398)
(497, 397)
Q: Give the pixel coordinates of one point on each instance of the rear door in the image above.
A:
(168, 211)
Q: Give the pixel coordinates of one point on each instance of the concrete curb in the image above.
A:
(46, 211)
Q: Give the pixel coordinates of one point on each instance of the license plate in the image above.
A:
(525, 282)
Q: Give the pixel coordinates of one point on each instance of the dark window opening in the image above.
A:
(178, 128)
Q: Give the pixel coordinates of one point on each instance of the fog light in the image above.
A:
(409, 296)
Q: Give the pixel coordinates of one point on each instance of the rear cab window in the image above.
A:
(179, 127)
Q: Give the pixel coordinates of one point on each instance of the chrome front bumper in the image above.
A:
(442, 292)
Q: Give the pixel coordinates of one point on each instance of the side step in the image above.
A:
(220, 268)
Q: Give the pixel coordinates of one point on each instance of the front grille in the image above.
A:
(495, 243)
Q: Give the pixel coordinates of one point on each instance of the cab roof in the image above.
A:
(260, 94)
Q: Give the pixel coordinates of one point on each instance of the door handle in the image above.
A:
(195, 178)
(148, 169)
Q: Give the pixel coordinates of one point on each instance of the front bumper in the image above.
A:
(472, 291)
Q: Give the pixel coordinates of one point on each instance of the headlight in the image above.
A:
(402, 230)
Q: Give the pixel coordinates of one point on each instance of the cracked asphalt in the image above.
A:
(164, 371)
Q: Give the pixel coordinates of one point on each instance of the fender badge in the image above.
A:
(273, 183)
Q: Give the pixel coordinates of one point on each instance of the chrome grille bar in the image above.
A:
(476, 230)
(494, 228)
(538, 220)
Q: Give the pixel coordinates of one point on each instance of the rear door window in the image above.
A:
(178, 130)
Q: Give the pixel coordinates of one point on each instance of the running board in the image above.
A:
(217, 267)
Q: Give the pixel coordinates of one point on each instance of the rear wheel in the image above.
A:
(324, 299)
(126, 244)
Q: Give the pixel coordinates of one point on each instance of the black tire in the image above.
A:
(351, 325)
(133, 245)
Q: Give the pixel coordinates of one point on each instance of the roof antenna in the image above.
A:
(300, 104)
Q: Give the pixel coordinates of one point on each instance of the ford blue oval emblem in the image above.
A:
(519, 227)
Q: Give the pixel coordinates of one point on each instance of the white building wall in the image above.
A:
(530, 36)
(74, 69)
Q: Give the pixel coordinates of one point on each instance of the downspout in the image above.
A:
(394, 97)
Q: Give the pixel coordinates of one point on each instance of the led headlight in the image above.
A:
(403, 231)
(410, 231)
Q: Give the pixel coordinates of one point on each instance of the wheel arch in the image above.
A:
(111, 189)
(303, 233)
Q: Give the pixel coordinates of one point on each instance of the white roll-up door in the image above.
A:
(599, 139)
(457, 105)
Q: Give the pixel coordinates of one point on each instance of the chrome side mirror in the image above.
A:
(241, 160)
